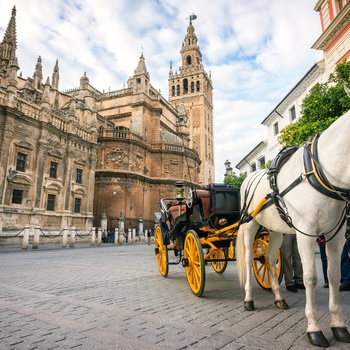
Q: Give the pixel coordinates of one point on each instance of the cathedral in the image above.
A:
(69, 158)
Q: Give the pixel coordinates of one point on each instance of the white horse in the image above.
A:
(312, 213)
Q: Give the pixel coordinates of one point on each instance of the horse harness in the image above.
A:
(316, 178)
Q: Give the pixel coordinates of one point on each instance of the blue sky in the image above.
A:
(256, 51)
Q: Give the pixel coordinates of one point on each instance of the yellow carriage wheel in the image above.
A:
(193, 261)
(260, 262)
(219, 266)
(161, 251)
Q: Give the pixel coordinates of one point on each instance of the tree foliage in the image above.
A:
(325, 103)
(235, 180)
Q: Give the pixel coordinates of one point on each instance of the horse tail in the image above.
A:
(240, 257)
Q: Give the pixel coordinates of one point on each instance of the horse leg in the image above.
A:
(333, 251)
(275, 242)
(244, 249)
(248, 242)
(307, 253)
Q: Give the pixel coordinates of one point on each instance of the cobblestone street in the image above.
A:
(113, 297)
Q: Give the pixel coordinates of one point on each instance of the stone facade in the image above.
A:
(69, 158)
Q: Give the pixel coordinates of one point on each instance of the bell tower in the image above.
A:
(192, 86)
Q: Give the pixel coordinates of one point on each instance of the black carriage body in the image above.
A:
(215, 206)
(224, 202)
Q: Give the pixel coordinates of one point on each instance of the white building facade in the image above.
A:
(335, 43)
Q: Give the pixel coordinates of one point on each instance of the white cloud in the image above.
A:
(256, 51)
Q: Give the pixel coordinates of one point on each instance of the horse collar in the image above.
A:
(316, 176)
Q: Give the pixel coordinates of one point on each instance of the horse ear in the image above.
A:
(347, 90)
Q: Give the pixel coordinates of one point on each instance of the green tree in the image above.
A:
(235, 180)
(325, 103)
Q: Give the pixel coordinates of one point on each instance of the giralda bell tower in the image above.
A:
(192, 86)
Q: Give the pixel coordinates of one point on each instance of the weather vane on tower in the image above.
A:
(192, 18)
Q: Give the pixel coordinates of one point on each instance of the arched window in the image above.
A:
(198, 86)
(185, 86)
(188, 60)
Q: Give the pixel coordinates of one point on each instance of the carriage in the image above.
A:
(201, 230)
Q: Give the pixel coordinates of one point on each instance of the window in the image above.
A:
(292, 114)
(77, 204)
(192, 86)
(178, 90)
(17, 196)
(261, 163)
(275, 129)
(51, 199)
(185, 86)
(173, 91)
(21, 161)
(198, 86)
(253, 167)
(188, 60)
(342, 3)
(79, 176)
(53, 170)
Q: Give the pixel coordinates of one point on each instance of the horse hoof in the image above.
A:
(281, 304)
(341, 334)
(249, 305)
(318, 339)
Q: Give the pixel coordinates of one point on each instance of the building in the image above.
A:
(192, 86)
(69, 158)
(335, 43)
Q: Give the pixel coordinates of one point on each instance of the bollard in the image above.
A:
(99, 235)
(116, 236)
(36, 236)
(93, 236)
(64, 237)
(121, 237)
(72, 237)
(129, 236)
(25, 241)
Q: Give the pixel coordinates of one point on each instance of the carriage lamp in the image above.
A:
(179, 190)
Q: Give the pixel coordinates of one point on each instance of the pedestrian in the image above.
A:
(104, 236)
(345, 268)
(344, 264)
(293, 269)
(149, 237)
(322, 246)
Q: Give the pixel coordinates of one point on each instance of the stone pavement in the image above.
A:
(113, 297)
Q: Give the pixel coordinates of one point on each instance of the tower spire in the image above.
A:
(55, 76)
(9, 44)
(38, 74)
(8, 47)
(141, 67)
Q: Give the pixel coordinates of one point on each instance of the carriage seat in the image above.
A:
(175, 211)
(203, 195)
